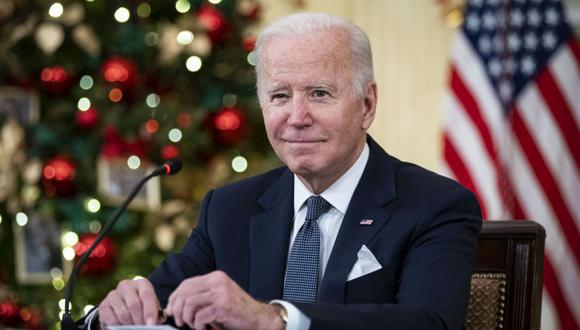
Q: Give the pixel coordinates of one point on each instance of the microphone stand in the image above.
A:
(68, 322)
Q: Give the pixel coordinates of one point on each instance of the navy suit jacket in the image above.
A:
(424, 235)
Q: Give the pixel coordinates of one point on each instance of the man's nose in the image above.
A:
(299, 112)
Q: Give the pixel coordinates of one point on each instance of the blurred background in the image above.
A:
(95, 93)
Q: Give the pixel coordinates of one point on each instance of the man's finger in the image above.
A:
(119, 309)
(150, 303)
(193, 304)
(134, 306)
(107, 316)
(206, 318)
(175, 308)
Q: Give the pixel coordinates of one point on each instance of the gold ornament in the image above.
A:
(49, 36)
(164, 237)
(86, 38)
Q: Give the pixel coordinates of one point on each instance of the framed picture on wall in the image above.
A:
(116, 181)
(38, 250)
(19, 104)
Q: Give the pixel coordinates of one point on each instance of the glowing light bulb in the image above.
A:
(239, 164)
(84, 104)
(70, 238)
(21, 219)
(122, 15)
(144, 10)
(93, 205)
(182, 6)
(86, 82)
(185, 37)
(68, 253)
(56, 10)
(61, 304)
(251, 58)
(58, 284)
(88, 308)
(193, 63)
(133, 162)
(153, 100)
(175, 135)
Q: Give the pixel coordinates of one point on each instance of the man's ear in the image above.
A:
(369, 104)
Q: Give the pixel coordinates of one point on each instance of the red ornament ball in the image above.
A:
(9, 314)
(170, 151)
(102, 259)
(215, 23)
(249, 43)
(121, 71)
(184, 119)
(58, 176)
(56, 79)
(113, 144)
(229, 125)
(87, 119)
(33, 318)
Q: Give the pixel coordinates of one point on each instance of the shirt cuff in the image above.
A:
(296, 319)
(91, 319)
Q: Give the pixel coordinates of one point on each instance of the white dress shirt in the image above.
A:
(338, 195)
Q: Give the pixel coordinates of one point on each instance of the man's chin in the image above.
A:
(304, 169)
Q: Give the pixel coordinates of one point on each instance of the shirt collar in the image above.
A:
(341, 191)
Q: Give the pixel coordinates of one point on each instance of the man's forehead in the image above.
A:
(317, 43)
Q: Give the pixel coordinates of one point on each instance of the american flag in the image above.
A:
(512, 117)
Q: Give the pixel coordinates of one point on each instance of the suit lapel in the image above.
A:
(375, 189)
(269, 240)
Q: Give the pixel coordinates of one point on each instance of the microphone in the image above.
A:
(170, 167)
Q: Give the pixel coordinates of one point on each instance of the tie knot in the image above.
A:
(316, 206)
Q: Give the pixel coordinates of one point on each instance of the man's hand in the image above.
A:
(216, 300)
(132, 302)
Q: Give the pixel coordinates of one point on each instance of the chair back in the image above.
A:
(506, 286)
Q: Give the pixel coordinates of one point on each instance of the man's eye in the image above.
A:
(319, 93)
(277, 96)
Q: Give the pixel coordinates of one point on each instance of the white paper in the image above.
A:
(140, 327)
(366, 263)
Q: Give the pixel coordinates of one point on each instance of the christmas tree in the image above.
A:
(93, 94)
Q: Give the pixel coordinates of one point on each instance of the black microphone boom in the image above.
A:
(170, 167)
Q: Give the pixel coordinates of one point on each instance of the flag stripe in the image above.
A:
(561, 112)
(472, 72)
(565, 68)
(573, 44)
(465, 138)
(470, 106)
(459, 169)
(566, 318)
(547, 183)
(472, 109)
(536, 208)
(548, 138)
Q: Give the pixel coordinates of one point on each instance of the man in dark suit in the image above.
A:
(344, 237)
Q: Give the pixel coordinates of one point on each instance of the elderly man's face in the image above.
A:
(315, 121)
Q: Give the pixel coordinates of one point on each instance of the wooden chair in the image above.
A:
(506, 286)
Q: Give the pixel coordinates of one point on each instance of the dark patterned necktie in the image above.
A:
(301, 282)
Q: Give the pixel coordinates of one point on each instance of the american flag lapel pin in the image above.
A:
(366, 222)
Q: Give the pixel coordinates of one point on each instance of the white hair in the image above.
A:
(305, 23)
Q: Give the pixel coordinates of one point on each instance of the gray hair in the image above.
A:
(304, 23)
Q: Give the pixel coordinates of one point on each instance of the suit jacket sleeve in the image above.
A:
(434, 283)
(195, 258)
